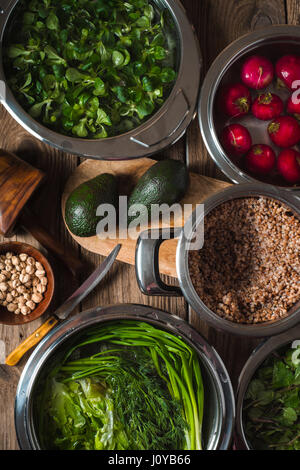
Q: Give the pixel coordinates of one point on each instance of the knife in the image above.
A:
(65, 310)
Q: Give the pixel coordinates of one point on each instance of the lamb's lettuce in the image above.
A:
(60, 54)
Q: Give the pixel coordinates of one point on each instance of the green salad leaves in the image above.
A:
(90, 68)
(141, 390)
(272, 403)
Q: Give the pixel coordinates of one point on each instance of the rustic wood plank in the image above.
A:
(46, 203)
(293, 11)
(218, 23)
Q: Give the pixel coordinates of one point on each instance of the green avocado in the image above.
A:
(166, 182)
(83, 202)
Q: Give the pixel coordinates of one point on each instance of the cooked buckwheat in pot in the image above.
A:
(249, 268)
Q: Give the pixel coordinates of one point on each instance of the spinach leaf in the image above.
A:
(272, 403)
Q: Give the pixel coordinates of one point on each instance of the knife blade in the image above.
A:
(65, 309)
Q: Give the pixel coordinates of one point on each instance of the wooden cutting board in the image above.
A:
(128, 173)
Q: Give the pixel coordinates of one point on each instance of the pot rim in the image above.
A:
(64, 331)
(220, 66)
(256, 359)
(172, 118)
(234, 192)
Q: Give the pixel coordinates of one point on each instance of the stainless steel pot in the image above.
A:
(219, 402)
(259, 355)
(273, 42)
(147, 265)
(163, 129)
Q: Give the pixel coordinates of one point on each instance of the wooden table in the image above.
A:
(217, 22)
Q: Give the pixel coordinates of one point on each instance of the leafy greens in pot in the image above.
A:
(90, 68)
(272, 403)
(141, 390)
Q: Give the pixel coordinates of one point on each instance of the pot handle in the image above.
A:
(147, 262)
(165, 125)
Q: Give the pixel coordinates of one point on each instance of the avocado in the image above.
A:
(166, 182)
(83, 202)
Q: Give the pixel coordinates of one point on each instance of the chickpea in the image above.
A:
(29, 269)
(21, 289)
(3, 286)
(23, 257)
(30, 304)
(15, 260)
(12, 307)
(25, 310)
(40, 273)
(44, 281)
(21, 300)
(24, 278)
(15, 283)
(37, 298)
(41, 289)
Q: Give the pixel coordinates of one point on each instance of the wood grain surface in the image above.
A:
(217, 22)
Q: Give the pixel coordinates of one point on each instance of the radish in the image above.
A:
(257, 72)
(260, 160)
(284, 131)
(235, 100)
(236, 140)
(267, 106)
(288, 71)
(288, 165)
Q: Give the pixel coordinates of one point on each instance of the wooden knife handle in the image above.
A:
(15, 356)
(30, 223)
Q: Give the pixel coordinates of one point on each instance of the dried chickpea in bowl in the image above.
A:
(23, 281)
(26, 283)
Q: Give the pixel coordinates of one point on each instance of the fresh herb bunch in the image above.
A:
(90, 68)
(142, 390)
(272, 403)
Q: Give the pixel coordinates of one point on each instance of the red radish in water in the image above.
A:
(288, 165)
(288, 71)
(236, 140)
(260, 160)
(284, 131)
(293, 107)
(267, 106)
(257, 72)
(236, 100)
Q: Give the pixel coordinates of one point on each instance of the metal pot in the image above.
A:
(259, 355)
(147, 254)
(273, 42)
(219, 407)
(163, 129)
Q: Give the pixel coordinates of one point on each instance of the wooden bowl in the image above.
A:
(10, 318)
